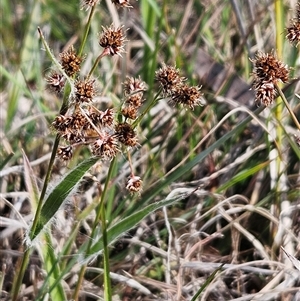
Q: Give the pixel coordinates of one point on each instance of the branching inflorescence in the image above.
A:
(111, 131)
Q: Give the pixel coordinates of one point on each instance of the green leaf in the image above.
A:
(207, 282)
(243, 175)
(60, 193)
(131, 221)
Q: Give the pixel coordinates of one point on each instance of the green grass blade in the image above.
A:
(115, 232)
(31, 183)
(207, 282)
(149, 195)
(131, 221)
(243, 175)
(59, 194)
(52, 268)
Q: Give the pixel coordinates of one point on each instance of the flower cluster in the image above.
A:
(87, 127)
(134, 89)
(134, 184)
(293, 31)
(175, 88)
(121, 3)
(81, 123)
(268, 70)
(112, 40)
(70, 61)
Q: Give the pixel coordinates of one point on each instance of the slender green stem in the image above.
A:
(107, 283)
(207, 282)
(79, 282)
(279, 17)
(293, 116)
(17, 284)
(104, 53)
(149, 107)
(86, 30)
(100, 216)
(24, 263)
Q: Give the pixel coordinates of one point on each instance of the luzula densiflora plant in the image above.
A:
(113, 130)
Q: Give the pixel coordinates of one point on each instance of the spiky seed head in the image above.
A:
(187, 96)
(129, 112)
(293, 31)
(134, 184)
(84, 90)
(133, 85)
(70, 61)
(112, 40)
(65, 153)
(169, 79)
(56, 82)
(126, 134)
(106, 147)
(267, 71)
(121, 3)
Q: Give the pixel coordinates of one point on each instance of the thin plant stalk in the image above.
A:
(279, 17)
(68, 90)
(293, 116)
(104, 53)
(86, 30)
(148, 108)
(100, 216)
(279, 40)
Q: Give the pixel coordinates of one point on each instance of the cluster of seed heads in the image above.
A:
(109, 132)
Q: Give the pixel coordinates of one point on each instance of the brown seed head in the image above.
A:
(84, 91)
(121, 3)
(60, 123)
(293, 33)
(103, 119)
(169, 79)
(133, 85)
(134, 100)
(129, 112)
(65, 153)
(56, 82)
(187, 96)
(70, 61)
(112, 40)
(134, 184)
(126, 134)
(268, 68)
(265, 94)
(105, 147)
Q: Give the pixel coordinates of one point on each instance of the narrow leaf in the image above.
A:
(131, 221)
(243, 175)
(60, 193)
(207, 282)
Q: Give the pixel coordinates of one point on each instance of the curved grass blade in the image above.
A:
(244, 174)
(179, 172)
(120, 228)
(207, 282)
